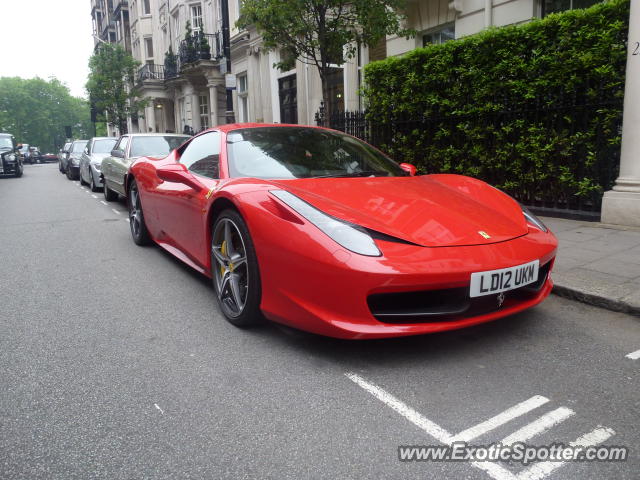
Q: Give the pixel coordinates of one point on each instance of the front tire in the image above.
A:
(19, 171)
(139, 232)
(82, 182)
(92, 184)
(235, 270)
(109, 195)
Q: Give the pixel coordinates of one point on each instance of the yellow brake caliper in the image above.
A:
(223, 251)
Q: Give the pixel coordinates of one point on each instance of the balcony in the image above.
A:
(192, 50)
(120, 5)
(151, 72)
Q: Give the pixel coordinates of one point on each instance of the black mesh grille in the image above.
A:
(448, 304)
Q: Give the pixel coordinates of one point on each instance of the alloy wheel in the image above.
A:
(135, 212)
(231, 272)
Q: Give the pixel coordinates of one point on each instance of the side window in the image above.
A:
(122, 144)
(202, 155)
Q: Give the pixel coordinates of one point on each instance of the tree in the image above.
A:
(111, 85)
(322, 32)
(36, 111)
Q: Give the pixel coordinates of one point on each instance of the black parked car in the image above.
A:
(72, 168)
(11, 163)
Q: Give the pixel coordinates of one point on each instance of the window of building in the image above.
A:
(553, 6)
(146, 7)
(288, 93)
(204, 111)
(243, 93)
(112, 37)
(177, 37)
(335, 79)
(202, 155)
(440, 35)
(148, 46)
(196, 17)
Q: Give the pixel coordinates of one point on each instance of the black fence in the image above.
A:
(150, 72)
(199, 46)
(594, 154)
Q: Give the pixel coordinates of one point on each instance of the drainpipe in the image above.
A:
(226, 45)
(488, 13)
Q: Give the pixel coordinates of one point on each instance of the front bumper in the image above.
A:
(311, 284)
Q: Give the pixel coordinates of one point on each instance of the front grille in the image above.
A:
(448, 304)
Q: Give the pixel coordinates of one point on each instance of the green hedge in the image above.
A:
(534, 109)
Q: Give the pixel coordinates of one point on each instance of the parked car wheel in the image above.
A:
(92, 184)
(19, 171)
(139, 231)
(82, 182)
(234, 268)
(109, 195)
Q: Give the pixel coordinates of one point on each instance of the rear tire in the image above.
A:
(235, 271)
(139, 232)
(19, 171)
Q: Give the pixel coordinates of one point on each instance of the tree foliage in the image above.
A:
(111, 85)
(36, 111)
(322, 32)
(534, 109)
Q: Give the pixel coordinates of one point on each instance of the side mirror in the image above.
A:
(410, 169)
(117, 153)
(178, 173)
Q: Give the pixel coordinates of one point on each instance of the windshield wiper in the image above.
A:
(367, 173)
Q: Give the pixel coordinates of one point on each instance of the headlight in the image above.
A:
(349, 236)
(10, 157)
(531, 218)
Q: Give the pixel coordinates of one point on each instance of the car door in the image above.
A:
(84, 160)
(180, 207)
(119, 165)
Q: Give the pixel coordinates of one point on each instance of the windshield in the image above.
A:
(78, 147)
(302, 152)
(104, 146)
(24, 148)
(66, 147)
(5, 142)
(155, 146)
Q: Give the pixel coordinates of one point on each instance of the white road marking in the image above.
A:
(539, 426)
(94, 196)
(496, 471)
(103, 202)
(540, 470)
(500, 419)
(116, 211)
(403, 409)
(634, 355)
(161, 411)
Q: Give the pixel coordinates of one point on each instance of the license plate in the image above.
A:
(504, 279)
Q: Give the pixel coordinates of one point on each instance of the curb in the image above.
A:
(596, 300)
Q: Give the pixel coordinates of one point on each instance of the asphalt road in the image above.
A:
(116, 363)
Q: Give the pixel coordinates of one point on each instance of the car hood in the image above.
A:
(98, 157)
(430, 210)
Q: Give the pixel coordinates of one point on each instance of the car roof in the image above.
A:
(156, 135)
(104, 138)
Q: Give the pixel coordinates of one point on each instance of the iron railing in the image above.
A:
(594, 125)
(200, 46)
(151, 72)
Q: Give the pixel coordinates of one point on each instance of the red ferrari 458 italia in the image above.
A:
(317, 230)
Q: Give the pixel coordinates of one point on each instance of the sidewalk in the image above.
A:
(597, 263)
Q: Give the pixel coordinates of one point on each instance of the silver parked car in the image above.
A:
(63, 156)
(129, 147)
(91, 160)
(73, 160)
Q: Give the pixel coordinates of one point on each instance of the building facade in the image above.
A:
(185, 77)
